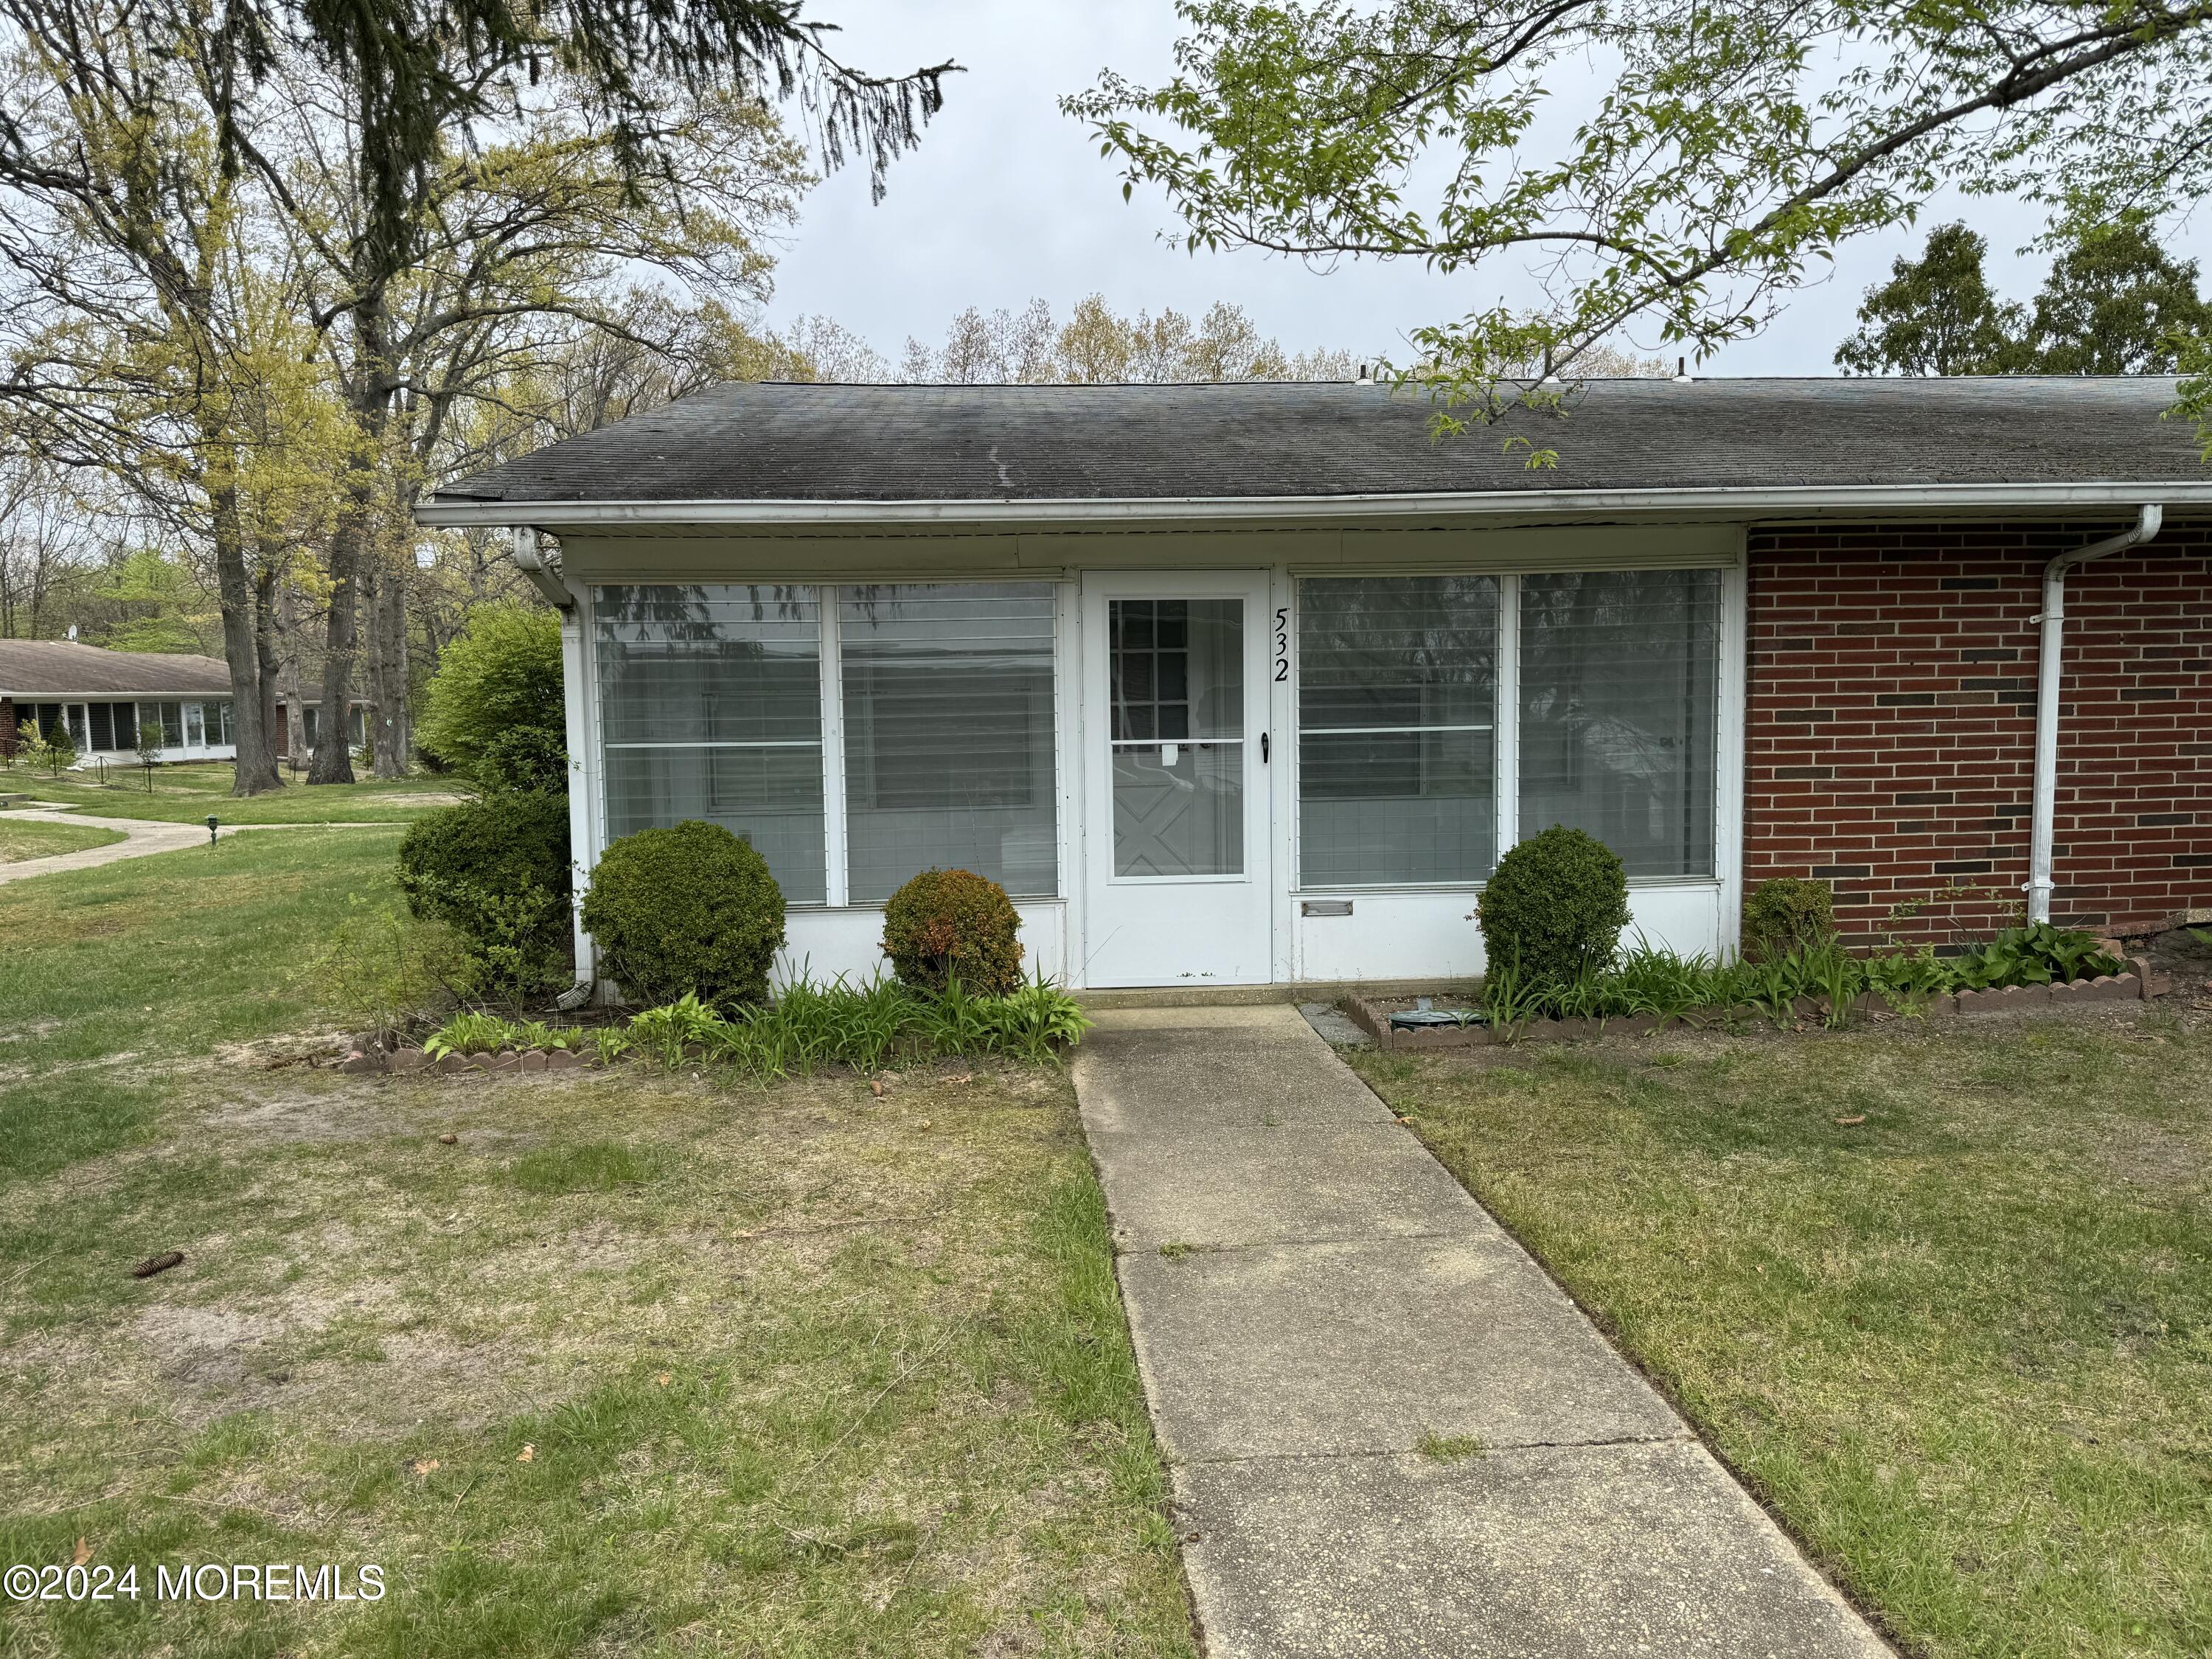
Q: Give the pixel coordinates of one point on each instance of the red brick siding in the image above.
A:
(1889, 725)
(10, 728)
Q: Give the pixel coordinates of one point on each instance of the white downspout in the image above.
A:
(2047, 673)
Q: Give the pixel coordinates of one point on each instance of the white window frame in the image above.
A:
(827, 599)
(1727, 770)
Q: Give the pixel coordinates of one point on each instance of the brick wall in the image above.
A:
(10, 727)
(1890, 730)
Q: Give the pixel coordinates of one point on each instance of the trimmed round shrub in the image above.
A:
(1555, 906)
(1786, 914)
(692, 908)
(496, 871)
(951, 924)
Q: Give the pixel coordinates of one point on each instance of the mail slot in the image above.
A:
(1325, 907)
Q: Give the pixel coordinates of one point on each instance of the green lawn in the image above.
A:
(643, 1363)
(1964, 1348)
(187, 794)
(27, 838)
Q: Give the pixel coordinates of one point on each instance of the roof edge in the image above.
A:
(455, 513)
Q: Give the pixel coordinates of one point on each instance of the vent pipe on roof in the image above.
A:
(1365, 378)
(2047, 671)
(1682, 369)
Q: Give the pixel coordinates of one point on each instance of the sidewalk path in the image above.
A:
(1328, 1298)
(143, 836)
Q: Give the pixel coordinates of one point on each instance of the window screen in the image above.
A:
(1620, 693)
(948, 707)
(103, 725)
(166, 719)
(710, 707)
(1397, 712)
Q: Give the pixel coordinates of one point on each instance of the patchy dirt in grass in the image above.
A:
(2144, 1155)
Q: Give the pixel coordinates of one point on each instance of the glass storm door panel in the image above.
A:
(195, 727)
(1176, 677)
(1176, 828)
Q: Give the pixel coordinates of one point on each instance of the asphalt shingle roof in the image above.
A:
(779, 442)
(61, 668)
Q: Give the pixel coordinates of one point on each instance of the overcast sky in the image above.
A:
(1007, 199)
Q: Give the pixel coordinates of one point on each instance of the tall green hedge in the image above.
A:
(496, 871)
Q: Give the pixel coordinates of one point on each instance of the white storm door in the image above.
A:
(1176, 834)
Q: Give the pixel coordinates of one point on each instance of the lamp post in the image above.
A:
(212, 821)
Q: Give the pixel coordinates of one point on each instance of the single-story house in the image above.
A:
(108, 702)
(1250, 684)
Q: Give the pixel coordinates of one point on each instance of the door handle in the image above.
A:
(1263, 749)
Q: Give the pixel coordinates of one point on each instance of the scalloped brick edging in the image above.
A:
(506, 1059)
(2136, 985)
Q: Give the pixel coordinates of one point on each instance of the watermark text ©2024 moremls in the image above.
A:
(195, 1581)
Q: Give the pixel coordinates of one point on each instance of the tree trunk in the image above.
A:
(353, 539)
(266, 626)
(333, 761)
(394, 737)
(253, 771)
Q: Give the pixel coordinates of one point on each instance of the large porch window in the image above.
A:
(1605, 684)
(1397, 730)
(929, 707)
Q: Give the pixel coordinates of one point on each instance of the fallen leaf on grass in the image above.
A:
(1850, 1122)
(876, 1088)
(964, 1077)
(82, 1554)
(425, 1465)
(925, 1123)
(527, 1455)
(664, 1379)
(449, 1140)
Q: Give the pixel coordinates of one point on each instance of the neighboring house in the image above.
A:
(1250, 684)
(109, 700)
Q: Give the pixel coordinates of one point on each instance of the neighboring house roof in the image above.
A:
(759, 451)
(63, 669)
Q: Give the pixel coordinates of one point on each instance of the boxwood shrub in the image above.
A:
(496, 871)
(1786, 914)
(1554, 908)
(688, 908)
(952, 924)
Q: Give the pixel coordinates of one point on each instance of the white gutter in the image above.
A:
(458, 513)
(2047, 672)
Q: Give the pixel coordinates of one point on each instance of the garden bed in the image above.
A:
(1373, 1016)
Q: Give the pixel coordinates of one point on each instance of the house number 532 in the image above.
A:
(1282, 644)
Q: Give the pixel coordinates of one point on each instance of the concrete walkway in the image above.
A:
(1312, 1296)
(141, 837)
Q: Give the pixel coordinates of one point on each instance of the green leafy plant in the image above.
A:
(473, 1032)
(1509, 1000)
(494, 710)
(1036, 1021)
(496, 871)
(668, 1029)
(1554, 908)
(1786, 914)
(609, 1043)
(949, 924)
(382, 969)
(2036, 954)
(537, 1035)
(691, 909)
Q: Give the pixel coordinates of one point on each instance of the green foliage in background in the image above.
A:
(493, 711)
